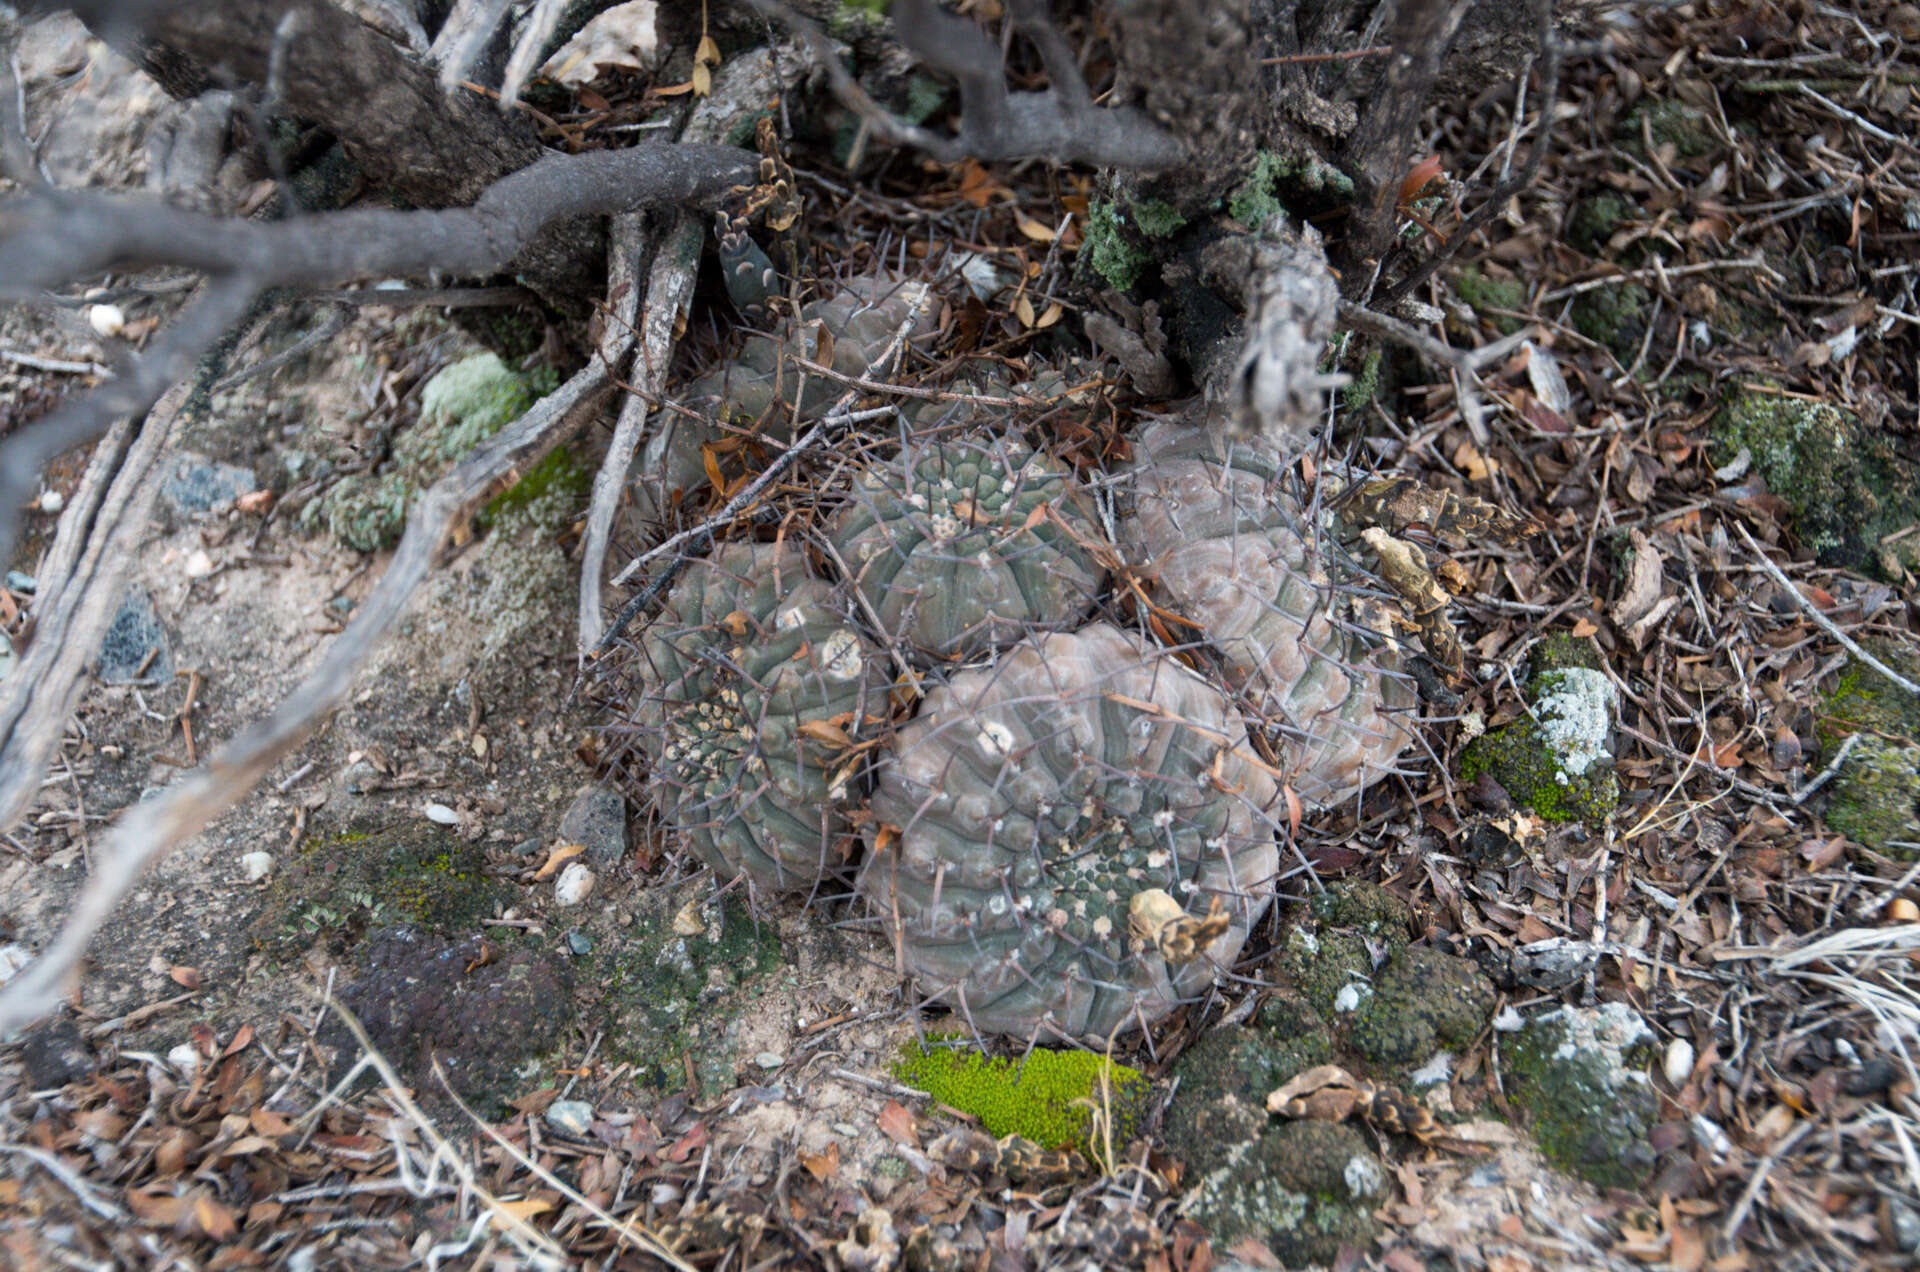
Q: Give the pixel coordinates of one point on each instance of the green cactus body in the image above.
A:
(1230, 550)
(1032, 799)
(962, 545)
(746, 654)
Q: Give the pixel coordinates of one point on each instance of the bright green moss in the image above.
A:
(1050, 1099)
(1518, 758)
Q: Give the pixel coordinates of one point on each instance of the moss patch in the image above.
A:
(1595, 220)
(1109, 250)
(1614, 316)
(1555, 761)
(1486, 291)
(1668, 123)
(1277, 179)
(1876, 798)
(339, 887)
(1422, 1001)
(1049, 1099)
(1849, 487)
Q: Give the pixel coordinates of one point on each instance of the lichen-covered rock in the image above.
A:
(480, 1013)
(1852, 488)
(1555, 760)
(1588, 1103)
(1231, 549)
(755, 686)
(1226, 1076)
(1423, 1000)
(463, 405)
(1046, 1096)
(1304, 1189)
(959, 546)
(1876, 798)
(1027, 805)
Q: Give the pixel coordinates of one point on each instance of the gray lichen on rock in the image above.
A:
(1304, 1189)
(1556, 759)
(1589, 1105)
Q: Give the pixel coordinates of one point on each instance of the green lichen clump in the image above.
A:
(1422, 1001)
(673, 990)
(1668, 123)
(1483, 291)
(1108, 251)
(1156, 218)
(460, 407)
(1594, 221)
(1875, 801)
(339, 887)
(1614, 316)
(1260, 197)
(1555, 761)
(1050, 1098)
(1575, 1073)
(1849, 486)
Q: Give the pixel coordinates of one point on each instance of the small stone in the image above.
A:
(198, 565)
(769, 1060)
(195, 485)
(13, 957)
(574, 885)
(52, 501)
(441, 814)
(185, 1059)
(580, 943)
(6, 654)
(256, 865)
(106, 320)
(1509, 1020)
(1678, 1062)
(846, 1129)
(135, 646)
(570, 1117)
(54, 1054)
(25, 584)
(597, 821)
(1903, 1225)
(526, 848)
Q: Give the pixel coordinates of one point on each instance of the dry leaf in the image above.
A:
(822, 731)
(1023, 310)
(899, 1125)
(524, 1209)
(822, 1166)
(701, 79)
(560, 856)
(1642, 589)
(1037, 231)
(185, 977)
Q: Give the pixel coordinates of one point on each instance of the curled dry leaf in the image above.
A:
(1404, 567)
(560, 856)
(1158, 919)
(1395, 503)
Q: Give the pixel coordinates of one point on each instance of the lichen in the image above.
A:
(465, 403)
(1421, 1001)
(1107, 250)
(1876, 798)
(670, 992)
(1555, 761)
(1485, 291)
(1049, 1097)
(1225, 1077)
(1614, 316)
(1849, 487)
(1574, 1073)
(1273, 175)
(1594, 221)
(1156, 218)
(1304, 1189)
(338, 887)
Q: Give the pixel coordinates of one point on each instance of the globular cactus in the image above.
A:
(754, 686)
(1232, 551)
(761, 385)
(958, 546)
(1028, 805)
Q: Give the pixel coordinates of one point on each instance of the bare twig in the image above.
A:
(1828, 625)
(462, 37)
(151, 828)
(79, 1187)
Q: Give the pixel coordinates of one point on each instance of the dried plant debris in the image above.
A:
(1028, 803)
(959, 546)
(1230, 547)
(757, 694)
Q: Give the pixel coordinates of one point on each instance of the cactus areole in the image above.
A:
(1028, 803)
(758, 685)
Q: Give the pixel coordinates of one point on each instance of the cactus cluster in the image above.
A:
(1233, 550)
(1070, 828)
(755, 681)
(961, 545)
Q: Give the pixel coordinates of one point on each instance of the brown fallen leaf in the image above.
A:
(560, 856)
(1641, 592)
(185, 977)
(1395, 503)
(898, 1124)
(1404, 566)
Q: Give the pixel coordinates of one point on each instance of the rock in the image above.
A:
(55, 1054)
(184, 1059)
(52, 501)
(1304, 1189)
(574, 885)
(440, 814)
(199, 565)
(424, 998)
(1903, 1226)
(13, 957)
(25, 584)
(1678, 1062)
(134, 635)
(570, 1117)
(6, 654)
(256, 865)
(597, 821)
(1574, 1072)
(196, 485)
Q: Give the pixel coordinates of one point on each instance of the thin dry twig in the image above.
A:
(1828, 625)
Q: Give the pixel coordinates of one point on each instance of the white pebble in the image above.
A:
(52, 501)
(1509, 1021)
(184, 1059)
(107, 320)
(1678, 1063)
(13, 957)
(573, 885)
(199, 564)
(257, 865)
(442, 814)
(570, 1117)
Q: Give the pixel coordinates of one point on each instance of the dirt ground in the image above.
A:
(676, 1042)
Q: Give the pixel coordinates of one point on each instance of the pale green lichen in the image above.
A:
(1304, 1189)
(1849, 487)
(1107, 251)
(1876, 798)
(1050, 1097)
(1273, 175)
(1555, 760)
(1157, 218)
(1487, 291)
(1576, 1073)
